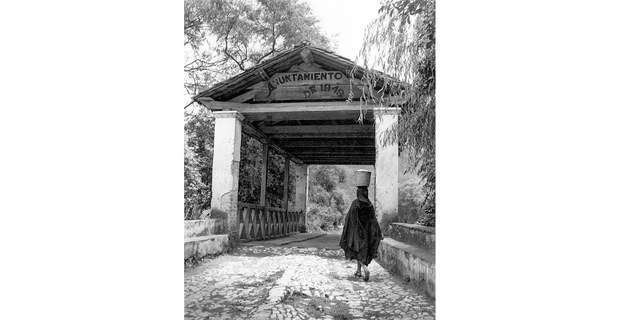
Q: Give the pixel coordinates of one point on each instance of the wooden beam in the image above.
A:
(350, 156)
(296, 110)
(285, 193)
(338, 159)
(298, 106)
(333, 159)
(342, 162)
(306, 55)
(250, 130)
(309, 92)
(299, 152)
(327, 106)
(306, 143)
(360, 135)
(263, 180)
(368, 116)
(262, 74)
(244, 97)
(319, 129)
(308, 159)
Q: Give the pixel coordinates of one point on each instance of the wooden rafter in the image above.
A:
(341, 136)
(319, 129)
(311, 115)
(284, 106)
(244, 97)
(258, 135)
(308, 144)
(357, 162)
(340, 156)
(334, 151)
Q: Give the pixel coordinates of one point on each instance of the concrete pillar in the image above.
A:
(301, 190)
(386, 165)
(226, 156)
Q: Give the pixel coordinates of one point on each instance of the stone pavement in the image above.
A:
(262, 282)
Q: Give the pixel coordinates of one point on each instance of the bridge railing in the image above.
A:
(260, 222)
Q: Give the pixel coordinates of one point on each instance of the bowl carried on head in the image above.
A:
(362, 178)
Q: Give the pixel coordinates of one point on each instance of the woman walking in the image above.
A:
(361, 234)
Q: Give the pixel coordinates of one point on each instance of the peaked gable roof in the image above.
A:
(241, 82)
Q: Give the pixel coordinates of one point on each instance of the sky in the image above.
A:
(345, 20)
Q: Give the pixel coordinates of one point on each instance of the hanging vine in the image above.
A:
(401, 44)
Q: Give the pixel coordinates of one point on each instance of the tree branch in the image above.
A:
(189, 104)
(228, 54)
(273, 43)
(202, 65)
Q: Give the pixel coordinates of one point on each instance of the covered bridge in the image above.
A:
(310, 105)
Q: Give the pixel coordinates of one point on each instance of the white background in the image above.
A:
(91, 133)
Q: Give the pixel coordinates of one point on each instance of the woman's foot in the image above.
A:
(366, 274)
(358, 273)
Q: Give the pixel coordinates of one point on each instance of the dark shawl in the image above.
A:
(361, 234)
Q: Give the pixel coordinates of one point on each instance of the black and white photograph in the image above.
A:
(309, 159)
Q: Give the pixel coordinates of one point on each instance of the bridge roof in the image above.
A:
(312, 120)
(282, 62)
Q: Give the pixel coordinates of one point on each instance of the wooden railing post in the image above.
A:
(262, 222)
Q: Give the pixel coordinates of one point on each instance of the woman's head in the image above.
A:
(362, 194)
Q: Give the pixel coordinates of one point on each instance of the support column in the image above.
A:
(263, 176)
(287, 162)
(287, 217)
(386, 165)
(301, 191)
(226, 156)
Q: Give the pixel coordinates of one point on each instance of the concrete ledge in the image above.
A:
(205, 227)
(413, 234)
(416, 263)
(200, 247)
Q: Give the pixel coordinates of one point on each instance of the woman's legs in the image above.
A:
(358, 273)
(366, 273)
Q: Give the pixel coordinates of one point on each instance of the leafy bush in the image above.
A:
(250, 171)
(410, 198)
(326, 206)
(322, 218)
(198, 154)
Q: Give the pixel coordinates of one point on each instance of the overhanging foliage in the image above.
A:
(401, 43)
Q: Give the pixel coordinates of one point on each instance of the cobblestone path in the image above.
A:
(297, 283)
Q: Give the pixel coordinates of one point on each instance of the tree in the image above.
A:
(231, 35)
(401, 43)
(198, 162)
(326, 201)
(222, 38)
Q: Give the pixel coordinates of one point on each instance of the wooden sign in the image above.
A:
(305, 78)
(324, 91)
(312, 85)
